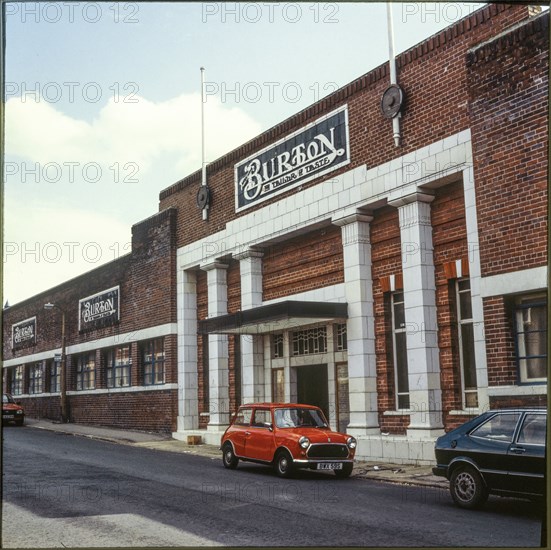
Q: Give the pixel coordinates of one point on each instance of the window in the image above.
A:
(500, 427)
(261, 416)
(118, 367)
(36, 378)
(533, 429)
(465, 329)
(243, 417)
(278, 386)
(55, 376)
(153, 358)
(277, 346)
(17, 380)
(531, 339)
(341, 341)
(306, 342)
(86, 371)
(399, 348)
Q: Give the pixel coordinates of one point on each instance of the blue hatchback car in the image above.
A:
(500, 452)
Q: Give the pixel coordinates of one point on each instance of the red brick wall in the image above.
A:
(147, 299)
(500, 345)
(154, 411)
(434, 68)
(508, 93)
(449, 236)
(304, 263)
(386, 260)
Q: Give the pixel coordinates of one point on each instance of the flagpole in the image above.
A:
(203, 163)
(393, 73)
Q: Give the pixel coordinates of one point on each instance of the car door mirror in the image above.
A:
(269, 425)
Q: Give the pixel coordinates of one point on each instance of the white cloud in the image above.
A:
(138, 132)
(39, 226)
(39, 255)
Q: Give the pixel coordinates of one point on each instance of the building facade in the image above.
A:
(402, 289)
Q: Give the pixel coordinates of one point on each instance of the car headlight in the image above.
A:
(351, 442)
(304, 442)
(19, 412)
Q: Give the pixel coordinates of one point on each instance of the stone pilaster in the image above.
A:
(425, 395)
(252, 346)
(360, 325)
(188, 408)
(218, 347)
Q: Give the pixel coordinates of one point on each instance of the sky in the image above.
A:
(103, 106)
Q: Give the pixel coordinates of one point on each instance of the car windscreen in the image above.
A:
(297, 417)
(7, 399)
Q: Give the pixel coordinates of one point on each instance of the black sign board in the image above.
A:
(316, 149)
(100, 310)
(23, 334)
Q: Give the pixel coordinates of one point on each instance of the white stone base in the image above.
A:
(207, 436)
(396, 449)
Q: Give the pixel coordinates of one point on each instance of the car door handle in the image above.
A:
(518, 450)
(247, 433)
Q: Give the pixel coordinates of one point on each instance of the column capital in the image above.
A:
(352, 218)
(214, 264)
(413, 197)
(249, 253)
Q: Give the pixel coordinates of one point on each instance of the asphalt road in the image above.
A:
(67, 491)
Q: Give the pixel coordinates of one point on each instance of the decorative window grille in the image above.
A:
(310, 341)
(277, 346)
(341, 337)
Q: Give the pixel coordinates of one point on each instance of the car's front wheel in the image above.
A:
(467, 488)
(346, 470)
(283, 464)
(228, 457)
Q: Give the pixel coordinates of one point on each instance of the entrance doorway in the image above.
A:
(312, 387)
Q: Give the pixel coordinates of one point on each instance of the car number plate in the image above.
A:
(330, 466)
(8, 416)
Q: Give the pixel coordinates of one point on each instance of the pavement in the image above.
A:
(394, 473)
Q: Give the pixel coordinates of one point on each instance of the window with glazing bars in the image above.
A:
(307, 342)
(86, 371)
(118, 367)
(153, 358)
(531, 339)
(277, 346)
(399, 348)
(466, 343)
(341, 337)
(36, 378)
(55, 376)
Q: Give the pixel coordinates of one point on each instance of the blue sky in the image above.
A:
(103, 106)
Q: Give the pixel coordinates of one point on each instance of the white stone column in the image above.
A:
(219, 404)
(425, 395)
(188, 407)
(252, 346)
(360, 325)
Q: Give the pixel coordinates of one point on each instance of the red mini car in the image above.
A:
(287, 436)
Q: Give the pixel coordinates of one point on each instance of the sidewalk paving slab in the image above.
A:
(394, 473)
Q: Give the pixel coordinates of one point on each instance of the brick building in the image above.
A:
(402, 289)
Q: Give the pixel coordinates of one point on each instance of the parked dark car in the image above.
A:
(500, 452)
(12, 411)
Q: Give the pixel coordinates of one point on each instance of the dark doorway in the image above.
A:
(312, 387)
